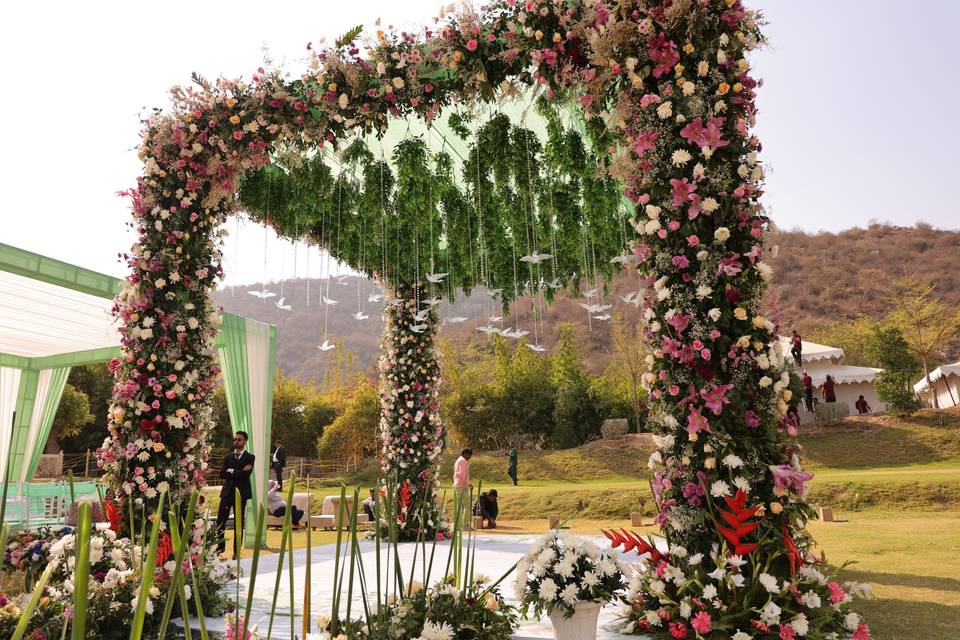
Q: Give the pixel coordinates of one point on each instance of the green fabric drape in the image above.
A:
(58, 380)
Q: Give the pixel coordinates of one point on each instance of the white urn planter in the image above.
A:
(582, 625)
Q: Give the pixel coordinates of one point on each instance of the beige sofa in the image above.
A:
(329, 517)
(300, 500)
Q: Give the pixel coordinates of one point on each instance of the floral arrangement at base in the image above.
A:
(676, 594)
(114, 583)
(562, 569)
(29, 551)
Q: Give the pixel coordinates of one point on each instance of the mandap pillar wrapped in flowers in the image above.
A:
(411, 429)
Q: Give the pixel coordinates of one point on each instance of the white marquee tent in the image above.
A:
(945, 380)
(54, 316)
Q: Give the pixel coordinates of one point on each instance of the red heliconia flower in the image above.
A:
(164, 548)
(738, 518)
(793, 553)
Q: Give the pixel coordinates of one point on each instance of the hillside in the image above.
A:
(822, 276)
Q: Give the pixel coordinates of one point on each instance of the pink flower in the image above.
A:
(716, 397)
(696, 422)
(730, 266)
(645, 142)
(785, 477)
(472, 44)
(678, 630)
(862, 632)
(681, 190)
(695, 133)
(679, 322)
(702, 623)
(681, 261)
(693, 240)
(751, 418)
(648, 99)
(712, 134)
(787, 632)
(837, 594)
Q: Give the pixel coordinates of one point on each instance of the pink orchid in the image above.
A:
(785, 477)
(681, 190)
(730, 266)
(679, 322)
(712, 134)
(697, 422)
(716, 397)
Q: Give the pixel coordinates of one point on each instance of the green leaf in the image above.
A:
(349, 36)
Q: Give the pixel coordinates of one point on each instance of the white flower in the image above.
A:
(653, 619)
(763, 361)
(740, 635)
(435, 631)
(851, 621)
(548, 589)
(719, 488)
(741, 483)
(703, 291)
(657, 587)
(655, 460)
(665, 110)
(193, 323)
(722, 234)
(680, 157)
(800, 624)
(569, 594)
(766, 272)
(811, 600)
(709, 592)
(607, 567)
(652, 211)
(732, 461)
(770, 615)
(769, 582)
(590, 580)
(709, 205)
(689, 88)
(714, 314)
(717, 574)
(765, 381)
(695, 559)
(686, 608)
(738, 580)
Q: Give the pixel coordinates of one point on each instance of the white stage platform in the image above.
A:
(495, 555)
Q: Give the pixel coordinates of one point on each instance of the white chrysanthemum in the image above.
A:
(569, 594)
(709, 592)
(653, 619)
(709, 205)
(722, 234)
(657, 587)
(719, 489)
(689, 88)
(811, 600)
(769, 583)
(851, 621)
(680, 157)
(703, 68)
(703, 291)
(732, 461)
(548, 590)
(740, 635)
(741, 483)
(436, 631)
(665, 110)
(686, 609)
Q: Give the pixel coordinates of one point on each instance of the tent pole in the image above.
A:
(6, 470)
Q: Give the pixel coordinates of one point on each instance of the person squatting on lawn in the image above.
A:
(486, 507)
(277, 506)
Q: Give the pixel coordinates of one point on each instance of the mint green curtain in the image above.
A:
(44, 413)
(247, 356)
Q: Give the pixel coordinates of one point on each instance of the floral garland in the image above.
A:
(411, 430)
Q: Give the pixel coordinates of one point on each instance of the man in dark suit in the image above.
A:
(278, 461)
(235, 473)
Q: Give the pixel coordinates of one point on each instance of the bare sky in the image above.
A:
(855, 110)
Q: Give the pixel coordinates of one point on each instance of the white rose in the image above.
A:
(703, 68)
(722, 234)
(714, 314)
(765, 381)
(689, 88)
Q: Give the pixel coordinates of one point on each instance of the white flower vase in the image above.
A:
(582, 625)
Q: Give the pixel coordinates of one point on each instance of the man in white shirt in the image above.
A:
(461, 486)
(278, 461)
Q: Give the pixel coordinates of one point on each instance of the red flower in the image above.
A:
(114, 515)
(678, 630)
(796, 560)
(164, 548)
(862, 632)
(737, 518)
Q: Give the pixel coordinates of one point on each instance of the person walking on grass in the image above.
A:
(829, 393)
(278, 461)
(462, 484)
(235, 473)
(512, 465)
(862, 406)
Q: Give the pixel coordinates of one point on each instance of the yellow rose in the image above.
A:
(775, 507)
(688, 48)
(724, 88)
(787, 394)
(158, 446)
(737, 88)
(234, 119)
(740, 313)
(490, 602)
(557, 37)
(332, 86)
(538, 35)
(231, 102)
(678, 69)
(743, 342)
(759, 322)
(710, 463)
(758, 346)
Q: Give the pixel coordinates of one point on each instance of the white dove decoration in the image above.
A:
(495, 318)
(620, 259)
(395, 302)
(591, 308)
(418, 328)
(281, 306)
(536, 347)
(592, 292)
(263, 294)
(536, 258)
(488, 329)
(457, 319)
(420, 316)
(326, 346)
(375, 297)
(327, 300)
(630, 298)
(431, 302)
(555, 283)
(604, 316)
(359, 315)
(516, 335)
(342, 282)
(436, 278)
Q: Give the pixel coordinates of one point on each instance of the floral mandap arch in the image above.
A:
(665, 90)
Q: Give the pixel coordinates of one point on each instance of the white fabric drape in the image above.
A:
(9, 388)
(260, 381)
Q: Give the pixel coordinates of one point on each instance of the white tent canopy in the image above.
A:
(940, 372)
(813, 352)
(54, 316)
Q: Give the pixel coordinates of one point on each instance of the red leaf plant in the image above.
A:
(738, 519)
(631, 541)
